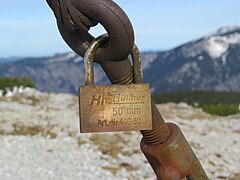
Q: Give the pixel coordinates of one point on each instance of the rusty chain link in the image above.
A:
(75, 17)
(69, 16)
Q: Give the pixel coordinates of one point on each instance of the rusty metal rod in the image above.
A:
(165, 147)
(121, 73)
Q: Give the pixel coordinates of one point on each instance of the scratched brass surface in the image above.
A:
(110, 108)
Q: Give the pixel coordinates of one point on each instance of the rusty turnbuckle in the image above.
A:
(165, 147)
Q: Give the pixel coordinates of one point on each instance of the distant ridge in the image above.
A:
(209, 63)
(10, 59)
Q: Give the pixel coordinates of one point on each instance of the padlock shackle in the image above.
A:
(137, 65)
(89, 58)
(90, 55)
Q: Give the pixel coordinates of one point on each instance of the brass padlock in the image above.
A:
(110, 108)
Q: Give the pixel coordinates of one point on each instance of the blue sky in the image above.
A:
(28, 28)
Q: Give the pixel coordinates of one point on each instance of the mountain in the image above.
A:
(60, 73)
(209, 63)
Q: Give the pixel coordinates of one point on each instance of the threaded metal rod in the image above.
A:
(160, 130)
(121, 73)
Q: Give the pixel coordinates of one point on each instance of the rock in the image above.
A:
(40, 139)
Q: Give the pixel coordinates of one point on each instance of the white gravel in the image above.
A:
(39, 140)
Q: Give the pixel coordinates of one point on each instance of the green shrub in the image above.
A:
(199, 97)
(10, 82)
(218, 103)
(221, 109)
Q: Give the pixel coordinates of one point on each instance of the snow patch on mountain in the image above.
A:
(224, 30)
(200, 58)
(147, 59)
(62, 58)
(215, 45)
(224, 58)
(78, 59)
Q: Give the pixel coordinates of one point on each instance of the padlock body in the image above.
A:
(110, 108)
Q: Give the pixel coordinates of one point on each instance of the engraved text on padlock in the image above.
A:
(110, 108)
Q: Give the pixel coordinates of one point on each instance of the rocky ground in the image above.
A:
(40, 140)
